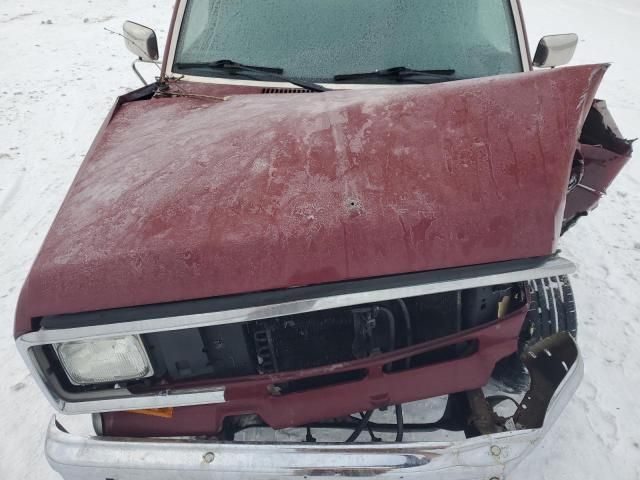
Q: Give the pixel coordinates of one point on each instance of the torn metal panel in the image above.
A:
(548, 363)
(603, 154)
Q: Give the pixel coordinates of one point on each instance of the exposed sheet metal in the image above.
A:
(603, 152)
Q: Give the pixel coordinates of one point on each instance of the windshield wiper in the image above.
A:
(401, 74)
(251, 71)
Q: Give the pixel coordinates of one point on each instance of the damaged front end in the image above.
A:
(601, 155)
(556, 369)
(290, 277)
(297, 384)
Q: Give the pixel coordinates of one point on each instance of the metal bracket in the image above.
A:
(134, 66)
(548, 362)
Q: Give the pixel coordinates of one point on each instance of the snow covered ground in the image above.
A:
(60, 73)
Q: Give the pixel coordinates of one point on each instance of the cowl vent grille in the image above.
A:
(285, 90)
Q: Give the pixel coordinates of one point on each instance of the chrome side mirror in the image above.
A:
(555, 50)
(141, 41)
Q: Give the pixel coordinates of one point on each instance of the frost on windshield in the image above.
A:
(317, 39)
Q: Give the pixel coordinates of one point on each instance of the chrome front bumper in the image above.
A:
(490, 457)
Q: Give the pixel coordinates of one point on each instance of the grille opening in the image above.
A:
(315, 339)
(286, 90)
(434, 357)
(305, 384)
(452, 352)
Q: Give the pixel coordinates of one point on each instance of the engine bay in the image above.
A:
(328, 337)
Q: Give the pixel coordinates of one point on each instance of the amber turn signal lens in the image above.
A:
(155, 412)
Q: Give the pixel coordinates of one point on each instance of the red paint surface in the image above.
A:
(251, 396)
(185, 198)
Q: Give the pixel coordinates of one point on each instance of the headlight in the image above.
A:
(104, 360)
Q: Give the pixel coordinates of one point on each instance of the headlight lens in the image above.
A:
(104, 360)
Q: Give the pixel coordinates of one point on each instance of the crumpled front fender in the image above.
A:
(602, 153)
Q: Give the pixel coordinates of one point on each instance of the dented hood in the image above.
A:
(185, 198)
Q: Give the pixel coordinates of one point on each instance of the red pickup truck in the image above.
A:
(324, 242)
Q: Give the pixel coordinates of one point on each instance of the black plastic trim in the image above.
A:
(232, 302)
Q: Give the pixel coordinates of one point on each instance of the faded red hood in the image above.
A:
(185, 198)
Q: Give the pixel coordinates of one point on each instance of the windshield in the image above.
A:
(318, 39)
